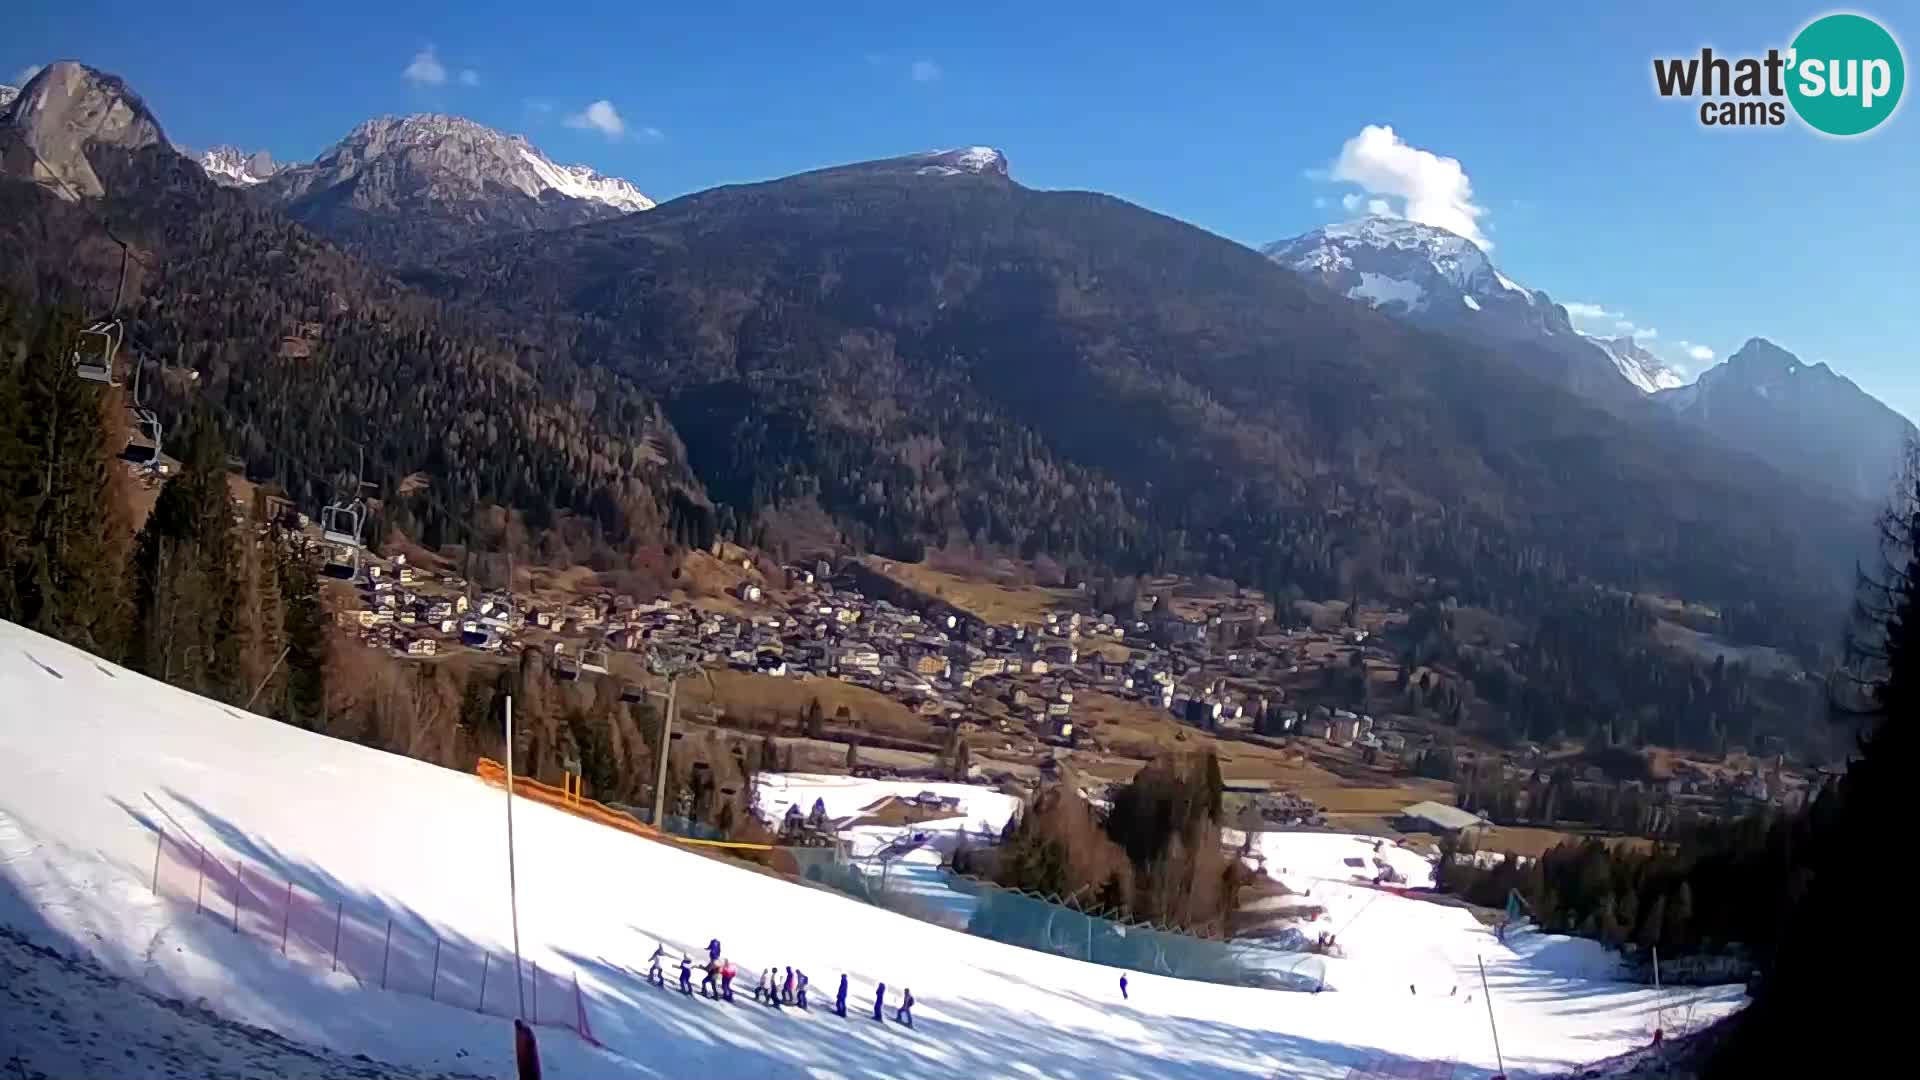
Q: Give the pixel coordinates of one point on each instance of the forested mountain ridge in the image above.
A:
(307, 356)
(940, 353)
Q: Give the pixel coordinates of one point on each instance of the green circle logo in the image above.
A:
(1845, 74)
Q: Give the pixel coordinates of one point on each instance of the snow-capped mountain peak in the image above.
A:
(978, 160)
(458, 152)
(1444, 281)
(1638, 366)
(8, 93)
(1402, 266)
(231, 165)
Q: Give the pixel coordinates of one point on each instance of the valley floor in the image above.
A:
(95, 761)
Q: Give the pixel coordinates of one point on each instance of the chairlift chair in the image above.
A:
(147, 422)
(94, 350)
(343, 562)
(342, 523)
(593, 657)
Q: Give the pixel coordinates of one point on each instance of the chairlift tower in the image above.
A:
(672, 663)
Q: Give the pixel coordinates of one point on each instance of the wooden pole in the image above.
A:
(513, 893)
(1498, 1060)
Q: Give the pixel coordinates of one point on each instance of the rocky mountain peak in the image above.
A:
(234, 166)
(62, 112)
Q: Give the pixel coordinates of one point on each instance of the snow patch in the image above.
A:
(1380, 290)
(1470, 301)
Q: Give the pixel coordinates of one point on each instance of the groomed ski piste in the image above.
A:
(94, 759)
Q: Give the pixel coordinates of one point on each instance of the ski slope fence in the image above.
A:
(378, 948)
(1016, 917)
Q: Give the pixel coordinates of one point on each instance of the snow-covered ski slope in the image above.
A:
(93, 758)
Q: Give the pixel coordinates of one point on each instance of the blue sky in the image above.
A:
(1228, 116)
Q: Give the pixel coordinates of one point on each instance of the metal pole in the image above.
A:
(263, 682)
(339, 915)
(286, 918)
(239, 882)
(200, 887)
(486, 962)
(386, 953)
(660, 773)
(159, 838)
(1498, 1060)
(1660, 1007)
(513, 893)
(433, 988)
(536, 993)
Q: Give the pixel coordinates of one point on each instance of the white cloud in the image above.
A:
(1350, 202)
(1618, 323)
(1434, 190)
(1697, 352)
(469, 77)
(600, 116)
(924, 71)
(1319, 202)
(426, 69)
(25, 75)
(1594, 311)
(650, 134)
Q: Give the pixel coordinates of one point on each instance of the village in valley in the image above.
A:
(894, 670)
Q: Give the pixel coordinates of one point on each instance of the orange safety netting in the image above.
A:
(495, 773)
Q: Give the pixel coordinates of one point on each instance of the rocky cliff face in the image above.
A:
(66, 110)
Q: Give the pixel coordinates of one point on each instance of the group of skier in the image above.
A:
(773, 989)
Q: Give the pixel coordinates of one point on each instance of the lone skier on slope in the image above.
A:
(1123, 986)
(840, 999)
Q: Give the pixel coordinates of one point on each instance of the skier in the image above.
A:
(880, 1002)
(773, 987)
(713, 950)
(786, 988)
(686, 975)
(800, 992)
(654, 974)
(904, 1014)
(1123, 986)
(709, 986)
(726, 981)
(840, 999)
